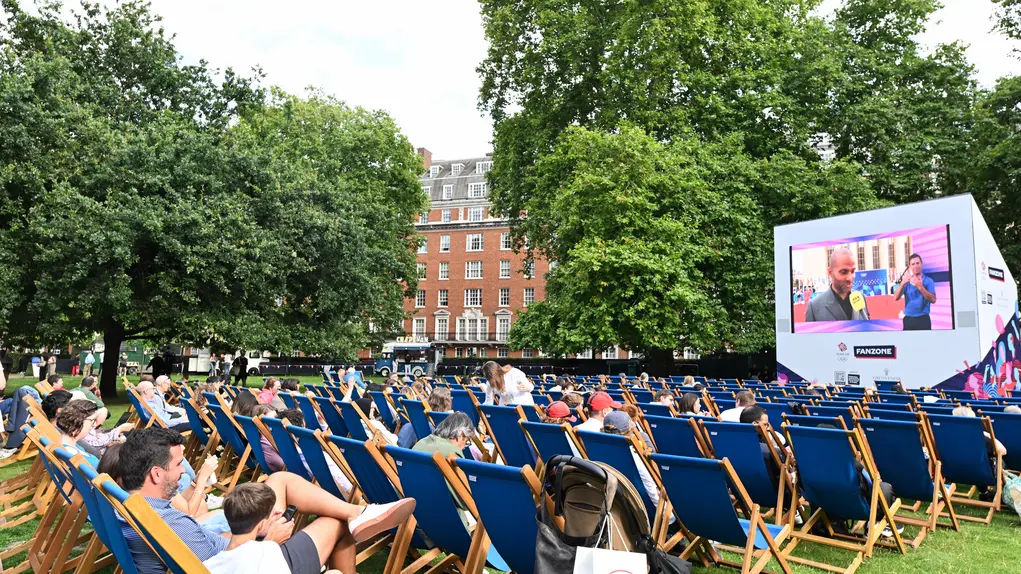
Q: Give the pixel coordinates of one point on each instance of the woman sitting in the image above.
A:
(268, 394)
(439, 401)
(690, 404)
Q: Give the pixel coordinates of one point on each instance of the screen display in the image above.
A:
(896, 281)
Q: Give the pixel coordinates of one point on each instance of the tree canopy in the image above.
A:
(144, 198)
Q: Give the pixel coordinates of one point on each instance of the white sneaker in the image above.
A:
(7, 452)
(887, 533)
(213, 502)
(376, 518)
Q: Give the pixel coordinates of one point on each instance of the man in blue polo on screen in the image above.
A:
(919, 293)
(840, 302)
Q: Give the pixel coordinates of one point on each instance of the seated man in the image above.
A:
(745, 399)
(152, 461)
(17, 415)
(449, 437)
(665, 397)
(619, 423)
(174, 417)
(89, 391)
(56, 381)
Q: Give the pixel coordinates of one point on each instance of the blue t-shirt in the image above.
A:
(914, 304)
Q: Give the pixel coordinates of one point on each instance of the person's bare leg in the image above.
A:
(336, 547)
(309, 498)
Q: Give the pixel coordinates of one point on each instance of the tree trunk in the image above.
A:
(113, 336)
(659, 362)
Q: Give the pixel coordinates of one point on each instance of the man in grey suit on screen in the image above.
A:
(839, 302)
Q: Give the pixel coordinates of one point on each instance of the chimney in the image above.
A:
(427, 158)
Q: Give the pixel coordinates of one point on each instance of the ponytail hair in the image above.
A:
(494, 375)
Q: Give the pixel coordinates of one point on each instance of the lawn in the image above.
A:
(977, 548)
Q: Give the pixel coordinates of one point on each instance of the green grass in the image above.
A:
(976, 548)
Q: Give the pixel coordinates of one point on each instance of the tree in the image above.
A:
(143, 199)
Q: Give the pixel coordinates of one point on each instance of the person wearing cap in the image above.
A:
(618, 422)
(599, 406)
(559, 413)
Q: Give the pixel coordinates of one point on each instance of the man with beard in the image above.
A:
(839, 303)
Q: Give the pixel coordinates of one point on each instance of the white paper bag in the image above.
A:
(599, 561)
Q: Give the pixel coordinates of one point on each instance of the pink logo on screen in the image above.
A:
(842, 347)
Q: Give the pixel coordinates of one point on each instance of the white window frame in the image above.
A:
(586, 354)
(502, 353)
(476, 214)
(444, 274)
(527, 353)
(418, 327)
(473, 270)
(473, 297)
(610, 353)
(445, 243)
(423, 270)
(505, 269)
(442, 327)
(435, 170)
(456, 168)
(448, 191)
(445, 216)
(502, 329)
(442, 297)
(470, 238)
(459, 352)
(427, 189)
(528, 268)
(525, 296)
(505, 241)
(423, 246)
(477, 190)
(420, 299)
(472, 329)
(423, 218)
(504, 301)
(483, 167)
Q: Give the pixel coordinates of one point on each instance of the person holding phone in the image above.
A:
(919, 292)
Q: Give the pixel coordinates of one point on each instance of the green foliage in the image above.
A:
(142, 198)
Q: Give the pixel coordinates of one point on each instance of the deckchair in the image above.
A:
(808, 421)
(315, 458)
(286, 447)
(416, 411)
(383, 405)
(288, 399)
(438, 514)
(656, 409)
(1008, 431)
(961, 447)
(891, 414)
(254, 435)
(550, 440)
(701, 491)
(510, 441)
(334, 420)
(676, 436)
(740, 443)
(832, 483)
(134, 509)
(899, 450)
(308, 411)
(200, 439)
(229, 432)
(355, 420)
(775, 411)
(81, 473)
(848, 413)
(103, 512)
(146, 416)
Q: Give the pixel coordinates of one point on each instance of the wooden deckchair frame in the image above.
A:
(572, 437)
(239, 461)
(492, 435)
(966, 498)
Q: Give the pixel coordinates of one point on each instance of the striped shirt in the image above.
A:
(202, 542)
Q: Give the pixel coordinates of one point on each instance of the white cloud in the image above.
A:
(416, 59)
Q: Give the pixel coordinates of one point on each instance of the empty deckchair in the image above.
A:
(334, 420)
(806, 421)
(505, 430)
(891, 414)
(701, 491)
(831, 482)
(847, 413)
(899, 450)
(656, 409)
(961, 447)
(676, 436)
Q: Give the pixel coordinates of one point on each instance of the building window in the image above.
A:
(502, 352)
(418, 327)
(483, 167)
(459, 352)
(529, 268)
(472, 329)
(448, 191)
(476, 213)
(527, 353)
(420, 299)
(444, 270)
(861, 257)
(427, 189)
(445, 241)
(875, 256)
(586, 354)
(483, 352)
(505, 241)
(434, 170)
(505, 296)
(529, 295)
(473, 297)
(445, 216)
(456, 168)
(907, 250)
(473, 270)
(421, 271)
(423, 245)
(441, 329)
(505, 269)
(473, 242)
(610, 353)
(444, 298)
(889, 253)
(476, 190)
(502, 328)
(424, 217)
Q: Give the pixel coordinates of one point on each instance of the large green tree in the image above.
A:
(143, 198)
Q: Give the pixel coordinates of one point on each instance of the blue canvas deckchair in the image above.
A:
(229, 433)
(438, 514)
(334, 420)
(961, 447)
(387, 415)
(286, 448)
(549, 440)
(1008, 431)
(308, 411)
(108, 531)
(676, 436)
(315, 459)
(656, 410)
(253, 435)
(740, 443)
(462, 401)
(198, 423)
(832, 483)
(288, 399)
(806, 421)
(81, 473)
(891, 414)
(355, 420)
(709, 514)
(899, 450)
(775, 411)
(615, 450)
(417, 417)
(509, 440)
(848, 413)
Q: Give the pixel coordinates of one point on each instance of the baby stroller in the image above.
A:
(599, 508)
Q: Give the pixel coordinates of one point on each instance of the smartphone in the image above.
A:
(289, 513)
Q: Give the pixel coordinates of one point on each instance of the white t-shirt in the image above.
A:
(511, 395)
(592, 424)
(252, 557)
(732, 415)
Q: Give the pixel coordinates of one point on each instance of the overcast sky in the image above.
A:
(416, 59)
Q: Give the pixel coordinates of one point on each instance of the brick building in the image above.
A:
(471, 284)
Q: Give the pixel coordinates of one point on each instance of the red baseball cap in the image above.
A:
(560, 410)
(601, 400)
